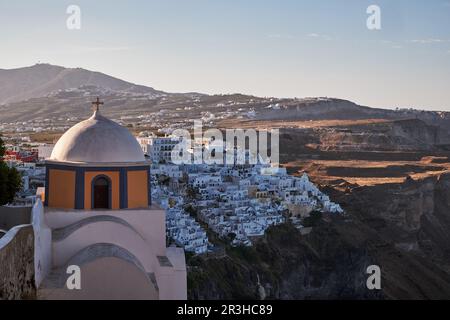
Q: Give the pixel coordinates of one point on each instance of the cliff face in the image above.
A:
(413, 208)
(402, 135)
(285, 265)
(406, 230)
(433, 233)
(403, 228)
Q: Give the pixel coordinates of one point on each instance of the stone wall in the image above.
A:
(14, 216)
(17, 264)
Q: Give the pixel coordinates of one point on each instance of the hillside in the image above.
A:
(41, 80)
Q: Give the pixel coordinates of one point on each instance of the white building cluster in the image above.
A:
(237, 202)
(187, 232)
(181, 227)
(159, 149)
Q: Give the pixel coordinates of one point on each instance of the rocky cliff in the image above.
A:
(400, 135)
(401, 227)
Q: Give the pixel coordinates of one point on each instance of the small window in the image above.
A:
(101, 193)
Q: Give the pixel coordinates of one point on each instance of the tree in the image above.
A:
(313, 219)
(10, 179)
(163, 179)
(191, 193)
(2, 149)
(191, 210)
(231, 236)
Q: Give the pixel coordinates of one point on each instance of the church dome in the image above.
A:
(97, 140)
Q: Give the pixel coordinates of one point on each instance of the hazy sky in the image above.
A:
(283, 48)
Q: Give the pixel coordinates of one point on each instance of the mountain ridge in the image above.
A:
(40, 80)
(45, 91)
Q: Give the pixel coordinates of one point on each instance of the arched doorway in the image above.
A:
(101, 195)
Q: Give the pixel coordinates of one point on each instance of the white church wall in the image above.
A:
(97, 283)
(150, 223)
(42, 243)
(104, 232)
(174, 280)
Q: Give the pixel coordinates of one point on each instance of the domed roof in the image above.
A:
(97, 140)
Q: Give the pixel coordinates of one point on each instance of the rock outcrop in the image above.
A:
(403, 228)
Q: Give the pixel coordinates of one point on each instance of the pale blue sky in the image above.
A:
(282, 48)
